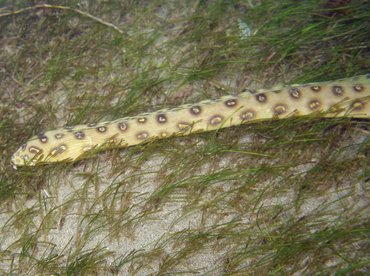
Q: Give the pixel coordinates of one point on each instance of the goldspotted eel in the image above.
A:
(345, 97)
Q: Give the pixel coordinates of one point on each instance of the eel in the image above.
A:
(345, 97)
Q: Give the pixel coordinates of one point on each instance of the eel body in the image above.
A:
(345, 97)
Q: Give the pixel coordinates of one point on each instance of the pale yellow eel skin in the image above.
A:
(345, 97)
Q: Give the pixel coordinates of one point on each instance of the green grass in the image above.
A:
(276, 197)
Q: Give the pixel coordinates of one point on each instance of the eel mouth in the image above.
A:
(13, 163)
(21, 158)
(16, 160)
